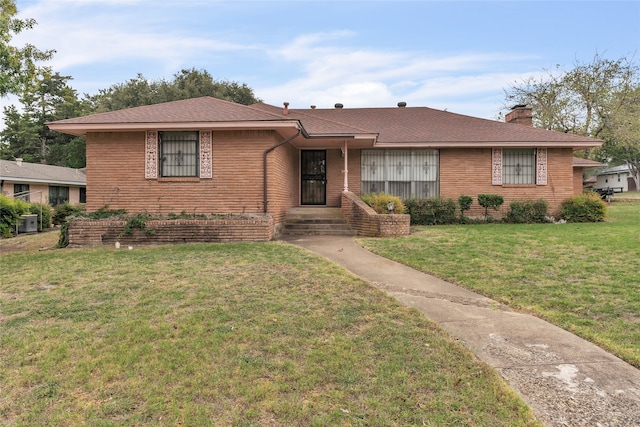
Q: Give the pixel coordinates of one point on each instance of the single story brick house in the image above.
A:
(206, 155)
(40, 183)
(580, 181)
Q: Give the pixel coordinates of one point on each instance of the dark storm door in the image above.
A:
(314, 177)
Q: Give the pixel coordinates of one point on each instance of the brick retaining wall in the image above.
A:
(99, 232)
(366, 222)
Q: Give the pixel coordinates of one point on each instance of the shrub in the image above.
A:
(527, 211)
(380, 201)
(464, 202)
(64, 210)
(104, 212)
(10, 211)
(432, 211)
(588, 207)
(493, 201)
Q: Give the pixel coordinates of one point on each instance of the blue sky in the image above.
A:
(454, 55)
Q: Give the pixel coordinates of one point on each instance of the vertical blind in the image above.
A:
(403, 173)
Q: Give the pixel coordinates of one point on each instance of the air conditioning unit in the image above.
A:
(28, 224)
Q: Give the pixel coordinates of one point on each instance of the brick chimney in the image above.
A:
(520, 115)
(286, 108)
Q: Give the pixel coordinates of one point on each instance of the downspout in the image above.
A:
(264, 165)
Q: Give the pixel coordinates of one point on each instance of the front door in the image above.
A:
(313, 189)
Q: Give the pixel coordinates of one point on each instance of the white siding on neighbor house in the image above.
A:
(617, 178)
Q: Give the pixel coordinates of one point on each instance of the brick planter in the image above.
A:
(366, 222)
(107, 232)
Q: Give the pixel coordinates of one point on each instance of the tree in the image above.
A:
(47, 97)
(188, 83)
(597, 99)
(623, 137)
(17, 65)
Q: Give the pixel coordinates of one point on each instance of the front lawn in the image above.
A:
(225, 334)
(583, 277)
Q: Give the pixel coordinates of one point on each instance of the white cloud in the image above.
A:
(81, 37)
(319, 68)
(327, 72)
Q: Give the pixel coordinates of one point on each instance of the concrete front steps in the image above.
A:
(316, 221)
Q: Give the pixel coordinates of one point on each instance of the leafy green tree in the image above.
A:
(623, 137)
(188, 83)
(17, 64)
(47, 97)
(598, 99)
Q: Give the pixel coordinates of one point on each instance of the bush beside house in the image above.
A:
(587, 207)
(12, 209)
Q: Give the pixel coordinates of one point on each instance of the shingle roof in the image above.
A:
(35, 172)
(316, 124)
(203, 109)
(422, 124)
(408, 125)
(579, 162)
(615, 170)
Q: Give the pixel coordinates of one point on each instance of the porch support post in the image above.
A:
(346, 162)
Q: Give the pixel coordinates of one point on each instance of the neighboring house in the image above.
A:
(580, 182)
(619, 178)
(206, 155)
(42, 183)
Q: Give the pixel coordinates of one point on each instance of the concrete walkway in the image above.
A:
(566, 380)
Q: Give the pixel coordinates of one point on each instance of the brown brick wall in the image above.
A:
(366, 222)
(468, 171)
(577, 181)
(92, 233)
(116, 169)
(283, 181)
(335, 176)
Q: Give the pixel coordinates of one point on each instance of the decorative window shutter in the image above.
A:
(541, 166)
(151, 155)
(496, 167)
(206, 169)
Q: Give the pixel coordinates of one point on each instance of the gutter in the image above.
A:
(264, 164)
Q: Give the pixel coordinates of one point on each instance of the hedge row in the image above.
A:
(438, 211)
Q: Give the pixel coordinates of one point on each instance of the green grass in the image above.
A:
(582, 277)
(226, 334)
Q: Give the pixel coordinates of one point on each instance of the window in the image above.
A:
(83, 195)
(179, 154)
(21, 191)
(403, 173)
(518, 166)
(58, 195)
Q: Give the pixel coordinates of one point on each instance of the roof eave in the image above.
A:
(81, 129)
(488, 144)
(42, 181)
